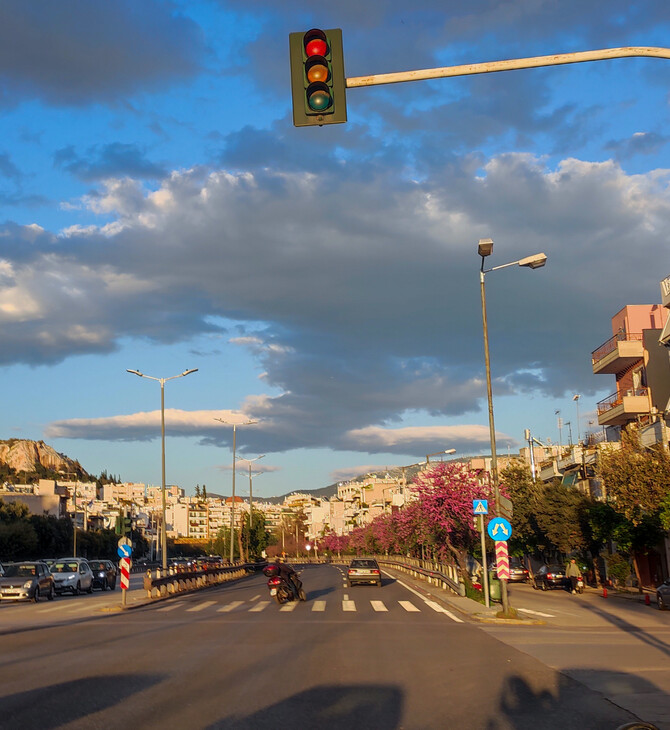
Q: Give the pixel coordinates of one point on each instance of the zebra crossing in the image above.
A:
(343, 605)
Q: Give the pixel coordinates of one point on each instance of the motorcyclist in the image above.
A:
(288, 574)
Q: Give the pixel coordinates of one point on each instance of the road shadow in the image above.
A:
(57, 705)
(573, 704)
(356, 707)
(311, 595)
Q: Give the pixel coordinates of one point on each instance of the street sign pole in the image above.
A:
(487, 601)
(124, 550)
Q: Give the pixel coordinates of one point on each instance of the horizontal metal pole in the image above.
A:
(558, 59)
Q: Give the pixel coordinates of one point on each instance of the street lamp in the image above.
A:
(251, 499)
(439, 453)
(162, 381)
(576, 398)
(232, 508)
(484, 249)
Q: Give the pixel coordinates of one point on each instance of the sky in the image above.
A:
(159, 212)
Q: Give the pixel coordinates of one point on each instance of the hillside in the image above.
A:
(34, 460)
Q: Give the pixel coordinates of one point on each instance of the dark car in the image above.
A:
(104, 574)
(550, 576)
(517, 572)
(364, 570)
(27, 581)
(663, 595)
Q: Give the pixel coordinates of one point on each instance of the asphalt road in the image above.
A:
(227, 657)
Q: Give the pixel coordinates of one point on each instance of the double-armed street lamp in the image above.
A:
(251, 487)
(162, 381)
(536, 261)
(232, 507)
(439, 453)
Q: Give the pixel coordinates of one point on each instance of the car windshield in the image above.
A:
(20, 571)
(64, 568)
(363, 564)
(555, 568)
(98, 566)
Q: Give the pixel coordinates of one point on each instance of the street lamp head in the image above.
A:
(135, 372)
(485, 247)
(534, 262)
(576, 397)
(188, 372)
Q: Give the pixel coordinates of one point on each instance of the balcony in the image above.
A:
(618, 353)
(665, 292)
(621, 408)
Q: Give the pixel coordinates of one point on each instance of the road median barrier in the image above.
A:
(160, 584)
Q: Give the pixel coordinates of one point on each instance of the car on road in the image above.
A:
(104, 574)
(550, 576)
(517, 572)
(663, 595)
(364, 570)
(27, 581)
(73, 575)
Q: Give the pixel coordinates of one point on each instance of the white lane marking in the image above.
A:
(289, 606)
(255, 598)
(202, 606)
(378, 606)
(432, 604)
(260, 606)
(408, 606)
(319, 606)
(537, 613)
(348, 605)
(440, 609)
(59, 607)
(170, 608)
(346, 597)
(230, 606)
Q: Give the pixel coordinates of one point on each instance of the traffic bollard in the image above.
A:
(647, 600)
(604, 592)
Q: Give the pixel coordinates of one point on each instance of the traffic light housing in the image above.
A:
(124, 525)
(318, 83)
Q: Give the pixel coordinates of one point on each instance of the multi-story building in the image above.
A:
(630, 355)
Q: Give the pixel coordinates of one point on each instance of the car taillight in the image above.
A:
(550, 576)
(274, 581)
(375, 571)
(350, 570)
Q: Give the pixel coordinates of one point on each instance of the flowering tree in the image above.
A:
(334, 543)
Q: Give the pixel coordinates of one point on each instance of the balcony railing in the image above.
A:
(611, 344)
(616, 399)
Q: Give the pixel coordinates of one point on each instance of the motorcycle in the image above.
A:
(280, 589)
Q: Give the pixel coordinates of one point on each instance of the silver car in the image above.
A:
(27, 581)
(663, 595)
(72, 574)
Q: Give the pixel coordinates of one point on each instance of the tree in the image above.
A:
(525, 494)
(197, 491)
(559, 513)
(204, 491)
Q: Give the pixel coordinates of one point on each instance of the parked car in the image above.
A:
(517, 572)
(364, 570)
(72, 574)
(550, 576)
(2, 570)
(663, 595)
(104, 574)
(27, 581)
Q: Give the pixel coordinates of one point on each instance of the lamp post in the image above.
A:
(232, 507)
(485, 248)
(576, 398)
(162, 381)
(439, 453)
(251, 498)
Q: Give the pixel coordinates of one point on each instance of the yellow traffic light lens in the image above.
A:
(317, 72)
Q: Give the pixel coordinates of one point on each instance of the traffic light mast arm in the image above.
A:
(558, 59)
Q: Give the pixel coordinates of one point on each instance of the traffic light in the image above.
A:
(124, 525)
(318, 83)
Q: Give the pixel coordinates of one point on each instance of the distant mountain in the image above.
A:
(35, 459)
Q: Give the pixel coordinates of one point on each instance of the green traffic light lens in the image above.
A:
(318, 96)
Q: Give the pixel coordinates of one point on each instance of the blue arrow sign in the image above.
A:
(499, 529)
(124, 551)
(480, 506)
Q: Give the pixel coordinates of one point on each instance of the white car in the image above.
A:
(72, 574)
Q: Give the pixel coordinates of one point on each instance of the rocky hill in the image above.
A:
(35, 457)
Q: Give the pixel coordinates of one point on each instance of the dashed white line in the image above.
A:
(348, 605)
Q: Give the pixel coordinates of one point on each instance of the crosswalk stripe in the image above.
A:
(537, 613)
(202, 606)
(378, 606)
(170, 608)
(440, 609)
(289, 606)
(348, 605)
(408, 606)
(230, 606)
(260, 606)
(319, 606)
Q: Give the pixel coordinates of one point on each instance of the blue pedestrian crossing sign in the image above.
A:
(499, 529)
(480, 506)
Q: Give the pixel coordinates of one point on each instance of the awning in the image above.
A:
(570, 478)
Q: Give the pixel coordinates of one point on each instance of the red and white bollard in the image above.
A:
(124, 566)
(604, 592)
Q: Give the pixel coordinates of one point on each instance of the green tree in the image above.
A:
(560, 517)
(525, 494)
(255, 537)
(197, 491)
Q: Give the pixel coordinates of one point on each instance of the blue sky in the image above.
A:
(158, 211)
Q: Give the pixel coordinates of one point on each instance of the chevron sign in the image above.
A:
(502, 560)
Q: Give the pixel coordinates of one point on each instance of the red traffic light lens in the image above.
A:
(315, 43)
(316, 69)
(318, 96)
